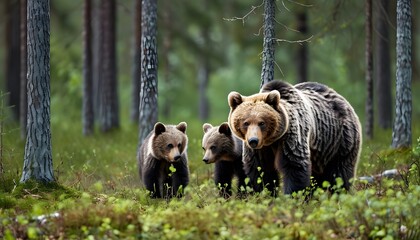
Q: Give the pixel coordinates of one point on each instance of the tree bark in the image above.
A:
(23, 70)
(13, 55)
(369, 70)
(109, 118)
(267, 73)
(135, 91)
(88, 115)
(302, 54)
(38, 160)
(401, 134)
(149, 79)
(166, 66)
(383, 67)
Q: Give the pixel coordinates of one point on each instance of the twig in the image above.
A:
(295, 41)
(253, 8)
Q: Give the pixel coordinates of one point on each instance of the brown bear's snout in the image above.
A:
(177, 157)
(253, 142)
(206, 160)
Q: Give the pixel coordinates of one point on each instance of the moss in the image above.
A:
(6, 201)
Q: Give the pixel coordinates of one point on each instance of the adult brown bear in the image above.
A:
(301, 131)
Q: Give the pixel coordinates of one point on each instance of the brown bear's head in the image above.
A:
(169, 142)
(218, 143)
(259, 119)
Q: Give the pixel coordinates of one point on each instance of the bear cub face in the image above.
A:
(259, 119)
(168, 143)
(217, 143)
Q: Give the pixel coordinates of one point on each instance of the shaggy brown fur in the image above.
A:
(166, 145)
(302, 131)
(225, 150)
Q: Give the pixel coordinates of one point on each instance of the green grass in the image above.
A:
(99, 195)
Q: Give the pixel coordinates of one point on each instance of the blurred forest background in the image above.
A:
(200, 47)
(205, 50)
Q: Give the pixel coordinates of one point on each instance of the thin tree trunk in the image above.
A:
(267, 73)
(109, 98)
(166, 66)
(135, 91)
(369, 70)
(401, 134)
(149, 79)
(23, 70)
(97, 33)
(203, 80)
(13, 55)
(383, 67)
(38, 163)
(302, 54)
(88, 115)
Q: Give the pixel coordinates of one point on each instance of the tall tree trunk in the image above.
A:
(203, 81)
(302, 53)
(369, 70)
(401, 134)
(87, 115)
(23, 70)
(267, 73)
(97, 33)
(166, 66)
(38, 160)
(13, 55)
(135, 84)
(383, 67)
(109, 118)
(149, 79)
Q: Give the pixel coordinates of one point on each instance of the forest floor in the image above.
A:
(98, 195)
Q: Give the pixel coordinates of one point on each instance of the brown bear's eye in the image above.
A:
(246, 124)
(261, 124)
(213, 148)
(170, 145)
(179, 145)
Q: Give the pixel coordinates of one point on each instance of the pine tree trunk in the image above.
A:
(13, 56)
(302, 54)
(135, 84)
(23, 70)
(38, 160)
(166, 64)
(401, 134)
(109, 118)
(369, 70)
(149, 81)
(88, 116)
(383, 67)
(267, 73)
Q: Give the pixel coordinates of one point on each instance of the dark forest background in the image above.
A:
(195, 38)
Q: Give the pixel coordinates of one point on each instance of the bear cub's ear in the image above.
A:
(234, 99)
(224, 129)
(159, 128)
(273, 99)
(207, 127)
(182, 126)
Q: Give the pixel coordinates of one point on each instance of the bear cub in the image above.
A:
(224, 149)
(303, 131)
(164, 147)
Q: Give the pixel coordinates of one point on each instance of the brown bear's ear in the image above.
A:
(207, 127)
(273, 99)
(159, 128)
(182, 126)
(224, 129)
(234, 99)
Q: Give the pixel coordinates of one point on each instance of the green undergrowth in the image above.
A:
(98, 195)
